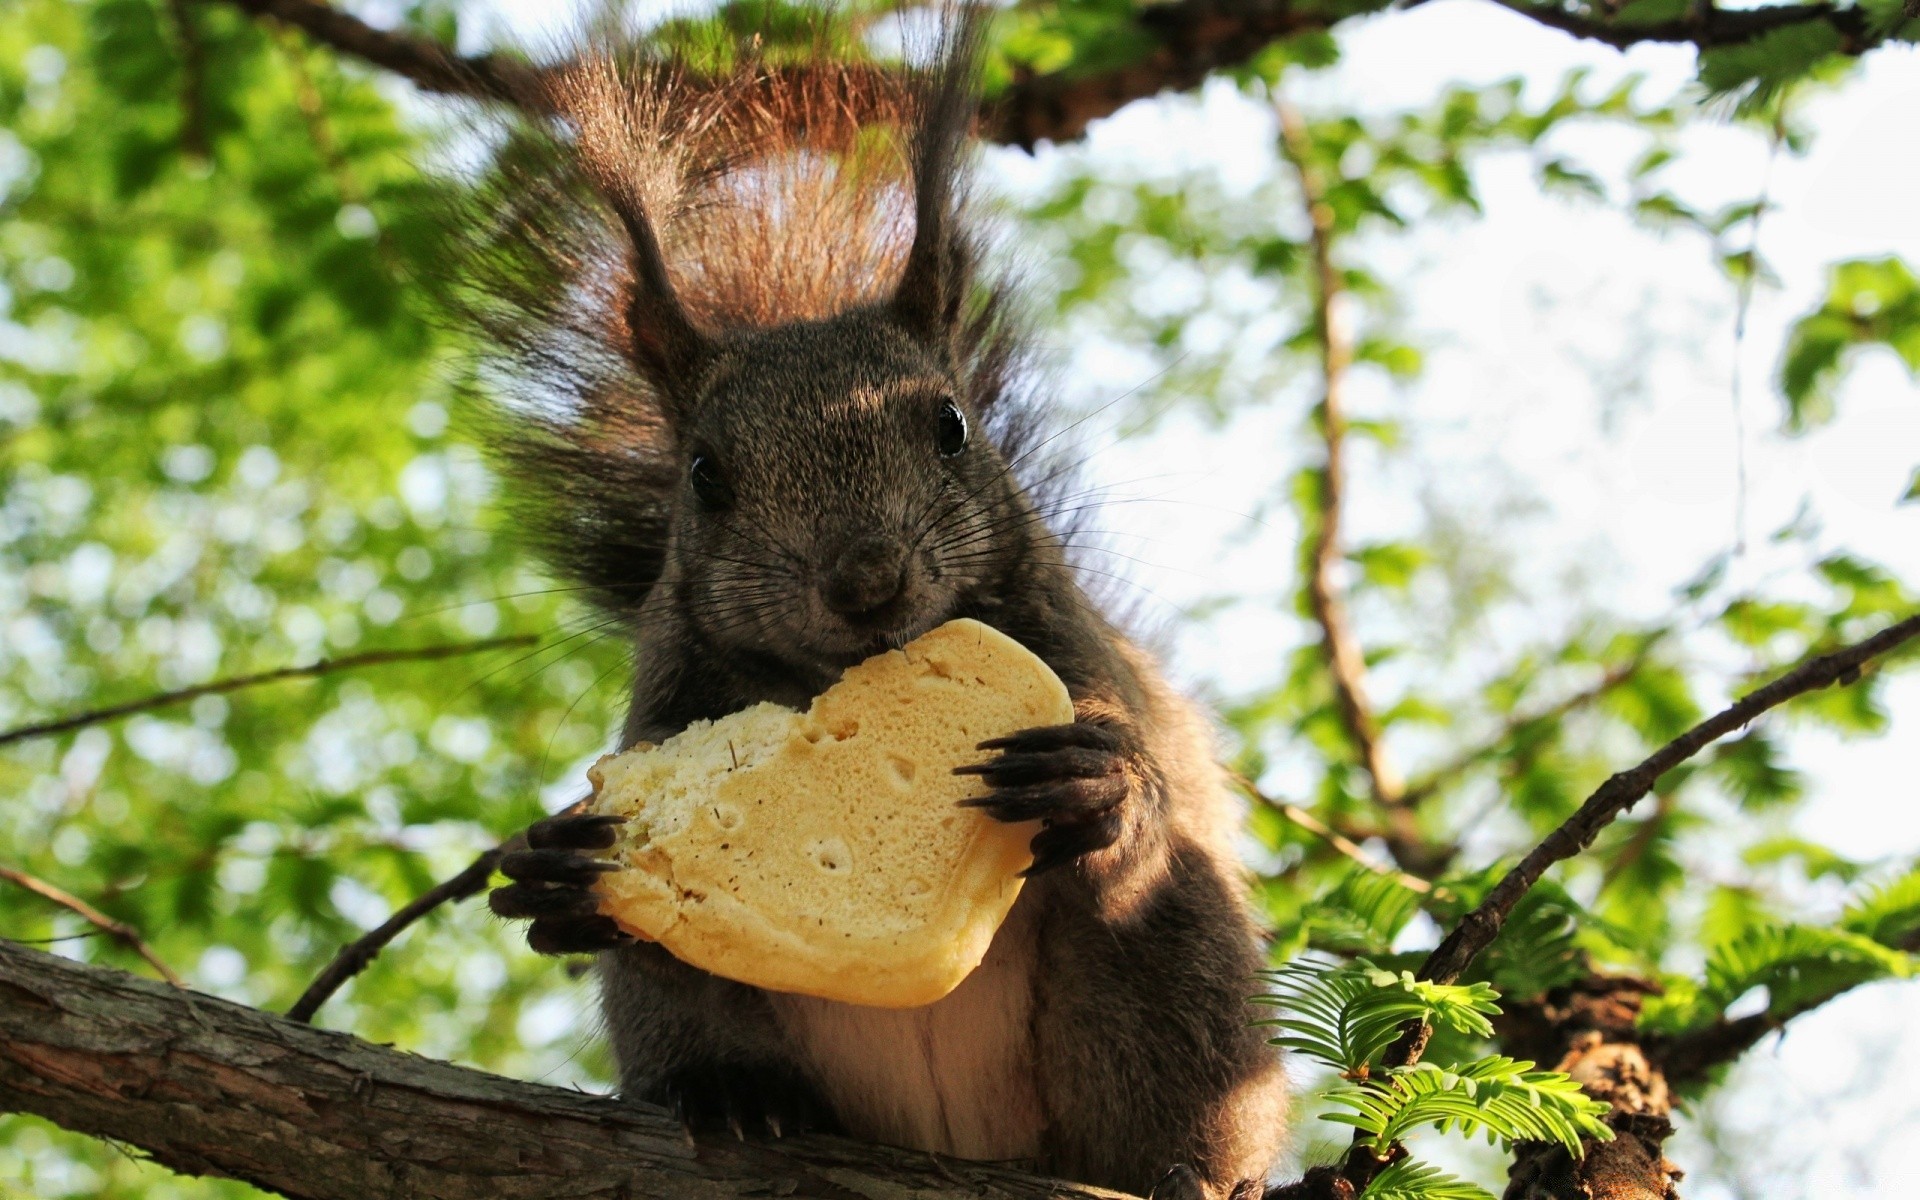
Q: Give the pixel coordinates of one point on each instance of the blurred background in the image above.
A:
(1631, 421)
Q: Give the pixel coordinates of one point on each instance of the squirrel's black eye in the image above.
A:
(708, 487)
(952, 438)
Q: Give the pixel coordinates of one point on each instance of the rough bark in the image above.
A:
(1588, 1032)
(208, 1087)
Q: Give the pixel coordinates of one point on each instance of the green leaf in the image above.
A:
(1345, 1015)
(1411, 1180)
(1888, 913)
(1869, 302)
(1504, 1099)
(1800, 966)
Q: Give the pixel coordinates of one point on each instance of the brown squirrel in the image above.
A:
(775, 424)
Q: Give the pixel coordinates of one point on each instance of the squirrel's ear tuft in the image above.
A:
(635, 146)
(933, 289)
(667, 348)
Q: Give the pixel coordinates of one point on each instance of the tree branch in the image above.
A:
(1706, 29)
(431, 66)
(1432, 781)
(325, 666)
(1619, 793)
(120, 931)
(208, 1087)
(354, 957)
(1340, 843)
(1326, 596)
(1188, 40)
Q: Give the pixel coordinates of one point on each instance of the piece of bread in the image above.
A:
(824, 852)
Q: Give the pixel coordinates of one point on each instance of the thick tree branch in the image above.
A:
(208, 1087)
(1705, 27)
(326, 666)
(431, 66)
(120, 931)
(1187, 40)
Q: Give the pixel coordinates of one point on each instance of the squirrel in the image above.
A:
(777, 414)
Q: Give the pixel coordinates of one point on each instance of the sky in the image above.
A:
(1580, 386)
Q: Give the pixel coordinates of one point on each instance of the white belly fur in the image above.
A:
(954, 1077)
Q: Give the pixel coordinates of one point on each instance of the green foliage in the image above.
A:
(1800, 966)
(1345, 1015)
(1499, 1097)
(1889, 913)
(1412, 1180)
(1869, 302)
(1360, 915)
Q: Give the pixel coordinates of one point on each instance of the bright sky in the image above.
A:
(1539, 318)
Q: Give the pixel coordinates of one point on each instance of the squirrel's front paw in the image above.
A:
(553, 885)
(1073, 777)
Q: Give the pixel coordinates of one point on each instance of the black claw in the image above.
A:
(1058, 845)
(1056, 737)
(563, 867)
(523, 900)
(1017, 767)
(575, 831)
(576, 935)
(1180, 1183)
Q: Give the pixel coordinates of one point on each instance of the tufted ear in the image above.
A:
(931, 297)
(666, 346)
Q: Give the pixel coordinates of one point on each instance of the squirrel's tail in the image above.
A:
(662, 207)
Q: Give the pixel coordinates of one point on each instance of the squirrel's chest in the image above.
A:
(955, 1077)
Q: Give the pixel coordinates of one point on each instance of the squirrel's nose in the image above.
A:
(868, 575)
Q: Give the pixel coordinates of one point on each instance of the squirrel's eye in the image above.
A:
(708, 487)
(953, 430)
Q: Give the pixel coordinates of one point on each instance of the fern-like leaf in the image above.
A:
(1799, 965)
(1889, 913)
(1362, 914)
(1504, 1099)
(1345, 1015)
(1410, 1180)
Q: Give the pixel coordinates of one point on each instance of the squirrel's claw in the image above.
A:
(576, 935)
(574, 831)
(553, 885)
(1073, 777)
(563, 868)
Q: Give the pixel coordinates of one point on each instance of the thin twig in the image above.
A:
(1328, 834)
(354, 957)
(119, 931)
(1432, 781)
(1478, 928)
(325, 666)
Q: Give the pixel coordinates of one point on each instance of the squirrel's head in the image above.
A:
(836, 496)
(755, 301)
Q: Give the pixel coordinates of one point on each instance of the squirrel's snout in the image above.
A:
(866, 578)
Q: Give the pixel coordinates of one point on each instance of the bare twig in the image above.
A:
(1328, 834)
(354, 957)
(119, 931)
(1619, 793)
(325, 666)
(1437, 778)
